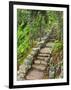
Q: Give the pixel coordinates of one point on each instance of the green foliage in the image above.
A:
(23, 41)
(58, 46)
(33, 25)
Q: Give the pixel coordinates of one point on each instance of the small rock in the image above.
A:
(29, 66)
(23, 69)
(42, 42)
(28, 62)
(33, 53)
(29, 57)
(36, 49)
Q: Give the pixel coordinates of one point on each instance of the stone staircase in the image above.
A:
(40, 63)
(42, 67)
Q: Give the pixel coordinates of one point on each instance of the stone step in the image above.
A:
(45, 50)
(37, 61)
(44, 62)
(44, 55)
(40, 62)
(39, 67)
(34, 74)
(40, 58)
(50, 45)
(47, 59)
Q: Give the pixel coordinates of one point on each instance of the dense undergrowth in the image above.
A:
(32, 26)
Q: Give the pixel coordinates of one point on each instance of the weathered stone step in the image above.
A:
(44, 55)
(34, 74)
(37, 61)
(47, 59)
(50, 44)
(43, 58)
(43, 62)
(40, 58)
(39, 67)
(45, 50)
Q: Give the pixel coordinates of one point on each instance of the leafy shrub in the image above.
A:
(58, 46)
(23, 41)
